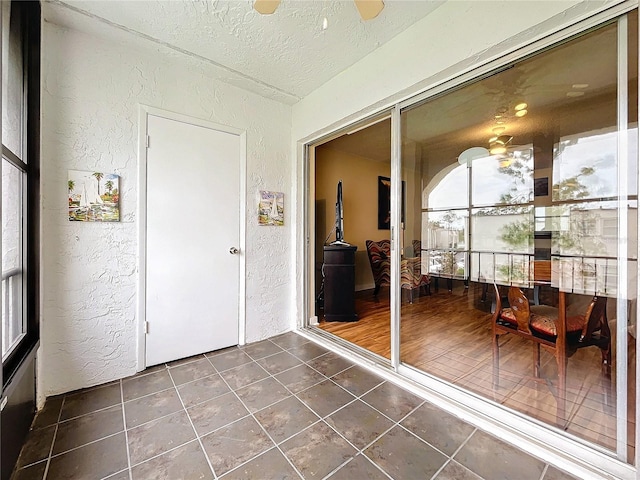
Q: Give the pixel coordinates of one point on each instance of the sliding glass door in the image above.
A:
(520, 208)
(352, 256)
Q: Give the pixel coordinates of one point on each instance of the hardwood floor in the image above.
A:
(448, 335)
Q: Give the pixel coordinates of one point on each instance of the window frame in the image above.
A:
(31, 40)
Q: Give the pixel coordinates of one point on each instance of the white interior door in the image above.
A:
(193, 220)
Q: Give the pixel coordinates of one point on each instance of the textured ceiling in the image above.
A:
(287, 54)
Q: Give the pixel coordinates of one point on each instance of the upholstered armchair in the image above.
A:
(411, 277)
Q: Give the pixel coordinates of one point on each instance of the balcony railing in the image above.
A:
(592, 275)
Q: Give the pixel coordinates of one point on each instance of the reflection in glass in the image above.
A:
(503, 179)
(445, 236)
(438, 194)
(573, 238)
(585, 166)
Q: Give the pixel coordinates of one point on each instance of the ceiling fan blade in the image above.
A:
(266, 7)
(369, 9)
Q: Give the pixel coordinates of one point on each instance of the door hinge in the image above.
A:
(146, 328)
(148, 141)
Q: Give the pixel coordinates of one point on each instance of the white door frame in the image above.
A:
(143, 114)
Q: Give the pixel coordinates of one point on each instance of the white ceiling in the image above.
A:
(284, 56)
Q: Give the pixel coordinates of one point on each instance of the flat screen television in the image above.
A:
(339, 217)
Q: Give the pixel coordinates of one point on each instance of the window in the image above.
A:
(20, 133)
(13, 265)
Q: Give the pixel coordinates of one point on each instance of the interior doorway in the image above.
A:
(192, 268)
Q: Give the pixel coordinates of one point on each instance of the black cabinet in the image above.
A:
(340, 283)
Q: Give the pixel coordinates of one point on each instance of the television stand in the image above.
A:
(340, 283)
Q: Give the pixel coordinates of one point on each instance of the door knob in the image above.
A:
(233, 250)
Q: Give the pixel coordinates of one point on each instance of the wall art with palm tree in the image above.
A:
(93, 196)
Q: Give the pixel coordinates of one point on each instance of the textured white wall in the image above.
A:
(91, 92)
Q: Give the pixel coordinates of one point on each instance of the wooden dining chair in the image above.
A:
(550, 328)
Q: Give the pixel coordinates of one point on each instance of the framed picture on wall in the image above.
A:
(93, 196)
(384, 203)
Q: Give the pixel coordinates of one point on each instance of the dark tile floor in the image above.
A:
(282, 408)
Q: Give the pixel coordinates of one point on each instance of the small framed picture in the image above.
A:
(271, 208)
(93, 196)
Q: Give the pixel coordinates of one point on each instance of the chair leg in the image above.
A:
(536, 360)
(606, 351)
(561, 417)
(606, 361)
(496, 362)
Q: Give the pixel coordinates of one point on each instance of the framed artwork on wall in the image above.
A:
(384, 203)
(271, 208)
(93, 196)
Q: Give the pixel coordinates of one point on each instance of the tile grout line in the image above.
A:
(92, 412)
(450, 458)
(230, 390)
(270, 375)
(252, 414)
(377, 466)
(244, 350)
(263, 429)
(88, 443)
(111, 475)
(544, 471)
(126, 434)
(162, 453)
(204, 452)
(398, 424)
(53, 442)
(444, 465)
(322, 418)
(367, 459)
(433, 446)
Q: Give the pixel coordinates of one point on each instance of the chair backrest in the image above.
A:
(520, 306)
(380, 261)
(378, 251)
(595, 316)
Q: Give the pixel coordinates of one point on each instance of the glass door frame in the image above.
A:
(309, 318)
(540, 439)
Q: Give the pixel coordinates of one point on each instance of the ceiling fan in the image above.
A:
(368, 9)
